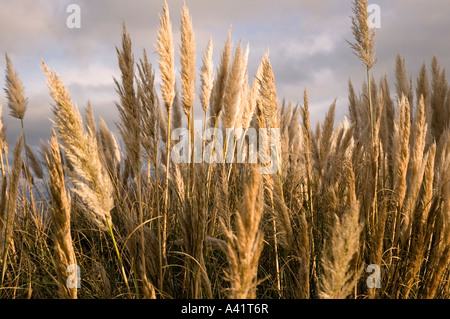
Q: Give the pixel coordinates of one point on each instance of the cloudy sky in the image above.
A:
(306, 39)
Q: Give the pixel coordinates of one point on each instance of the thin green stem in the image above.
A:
(119, 258)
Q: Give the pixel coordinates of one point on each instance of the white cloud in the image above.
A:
(310, 46)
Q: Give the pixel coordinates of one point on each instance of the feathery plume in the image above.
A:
(220, 83)
(89, 118)
(150, 109)
(417, 165)
(401, 84)
(14, 90)
(109, 144)
(254, 95)
(129, 107)
(439, 90)
(423, 85)
(244, 101)
(268, 107)
(166, 53)
(401, 145)
(364, 47)
(232, 94)
(244, 89)
(167, 69)
(187, 62)
(207, 77)
(244, 247)
(11, 207)
(93, 184)
(339, 276)
(64, 251)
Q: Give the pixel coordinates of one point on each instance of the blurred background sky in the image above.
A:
(306, 39)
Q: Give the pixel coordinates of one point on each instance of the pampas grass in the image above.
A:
(232, 97)
(245, 245)
(364, 45)
(249, 111)
(340, 273)
(92, 182)
(166, 53)
(64, 251)
(129, 109)
(17, 103)
(187, 62)
(207, 78)
(167, 69)
(220, 82)
(10, 206)
(89, 176)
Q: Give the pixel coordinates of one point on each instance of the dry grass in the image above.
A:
(64, 251)
(373, 189)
